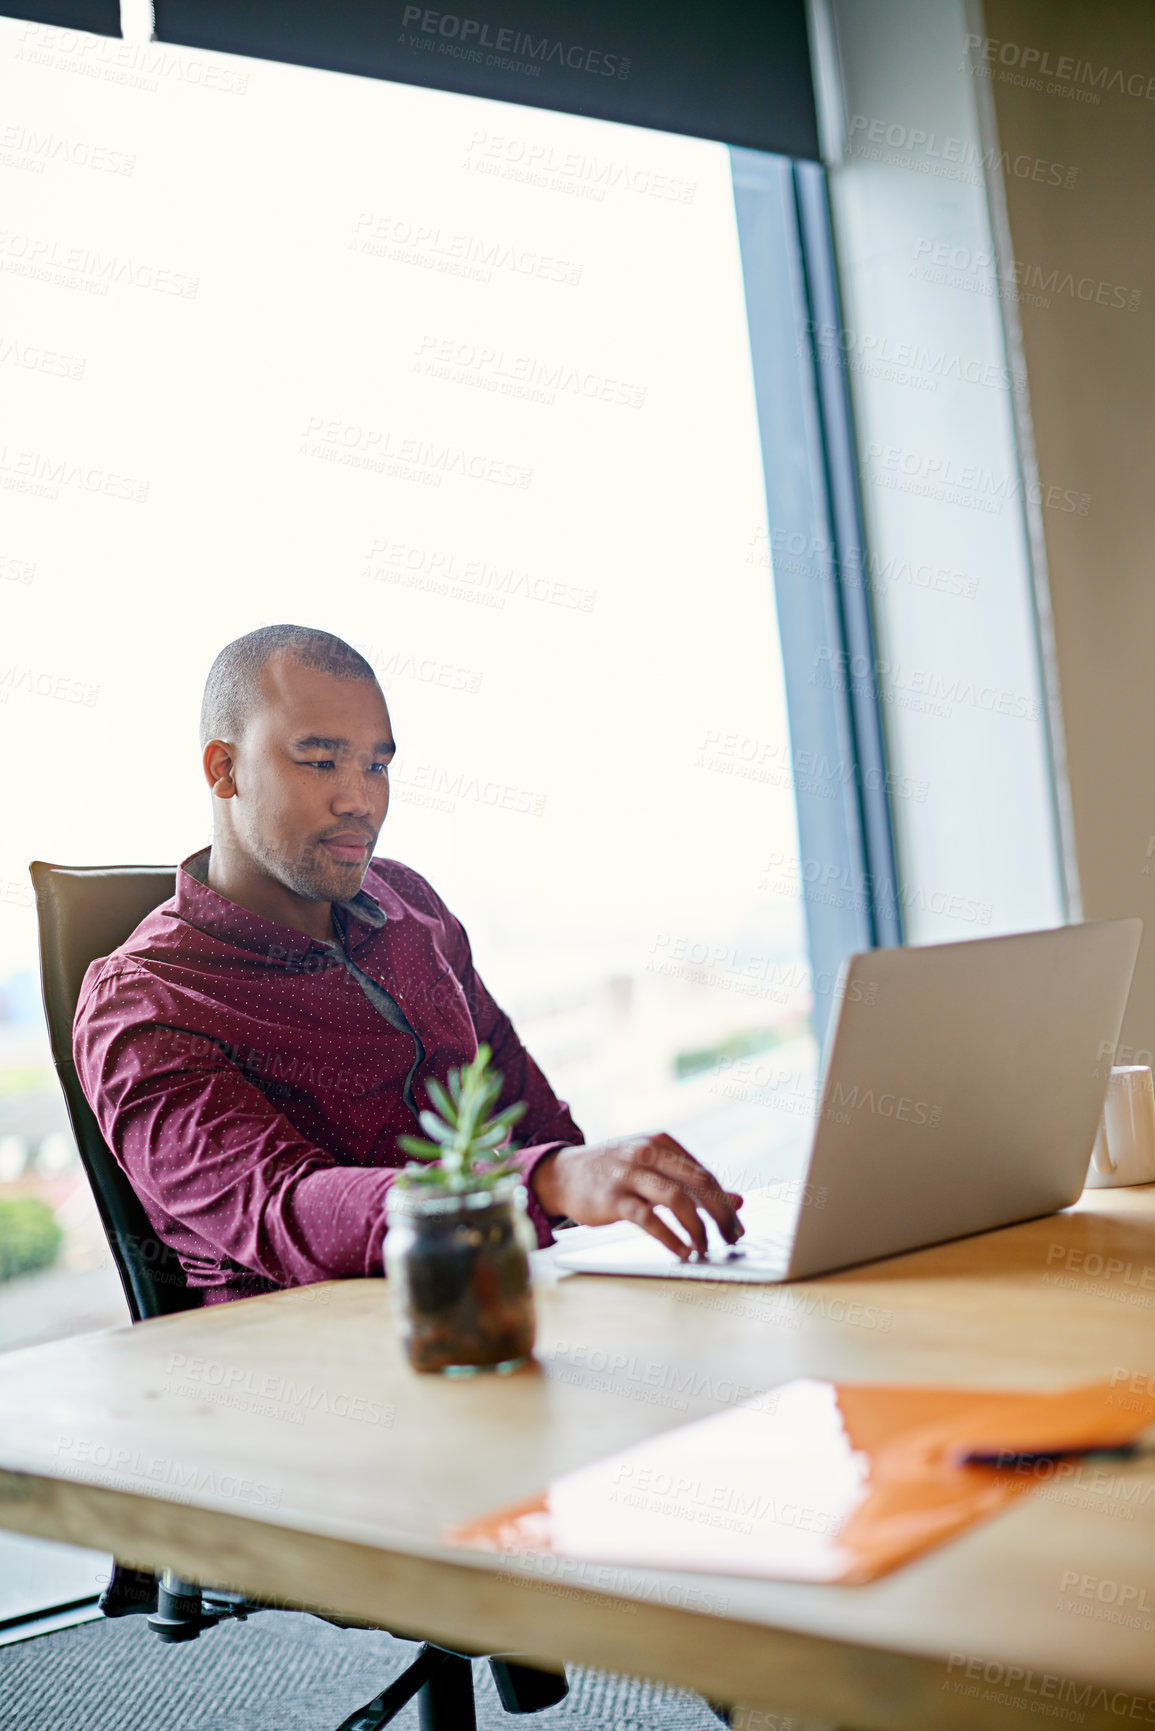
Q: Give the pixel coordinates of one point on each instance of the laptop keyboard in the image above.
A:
(749, 1255)
(761, 1254)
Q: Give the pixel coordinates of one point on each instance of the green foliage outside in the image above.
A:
(29, 1236)
(26, 1079)
(743, 1045)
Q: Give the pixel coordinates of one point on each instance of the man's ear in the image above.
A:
(219, 769)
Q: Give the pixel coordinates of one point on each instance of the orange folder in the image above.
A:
(814, 1480)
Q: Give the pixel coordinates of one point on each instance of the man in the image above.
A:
(255, 1047)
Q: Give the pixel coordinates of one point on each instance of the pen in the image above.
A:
(1144, 1443)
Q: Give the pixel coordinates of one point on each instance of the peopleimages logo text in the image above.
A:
(473, 33)
(1067, 69)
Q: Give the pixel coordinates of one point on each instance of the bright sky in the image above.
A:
(294, 272)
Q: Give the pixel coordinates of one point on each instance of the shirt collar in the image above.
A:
(208, 910)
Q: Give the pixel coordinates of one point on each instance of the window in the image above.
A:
(471, 386)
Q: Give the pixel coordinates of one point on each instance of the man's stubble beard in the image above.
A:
(315, 879)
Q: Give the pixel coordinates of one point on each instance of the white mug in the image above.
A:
(1124, 1151)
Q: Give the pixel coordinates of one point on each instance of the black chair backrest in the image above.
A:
(85, 912)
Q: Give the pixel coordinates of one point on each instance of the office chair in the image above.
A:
(85, 912)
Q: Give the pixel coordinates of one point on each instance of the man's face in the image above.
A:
(312, 779)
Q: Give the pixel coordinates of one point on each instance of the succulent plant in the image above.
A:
(464, 1139)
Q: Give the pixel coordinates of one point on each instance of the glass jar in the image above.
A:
(458, 1266)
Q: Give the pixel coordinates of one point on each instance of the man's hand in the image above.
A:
(625, 1179)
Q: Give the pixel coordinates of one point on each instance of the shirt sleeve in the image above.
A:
(547, 1124)
(207, 1147)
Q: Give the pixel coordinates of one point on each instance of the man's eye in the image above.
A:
(380, 766)
(318, 763)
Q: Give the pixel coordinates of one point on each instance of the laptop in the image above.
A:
(962, 1092)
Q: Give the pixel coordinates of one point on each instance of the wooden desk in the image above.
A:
(280, 1445)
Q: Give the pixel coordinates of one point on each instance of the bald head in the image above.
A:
(296, 753)
(233, 687)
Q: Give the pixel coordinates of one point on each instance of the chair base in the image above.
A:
(441, 1678)
(443, 1683)
(386, 1706)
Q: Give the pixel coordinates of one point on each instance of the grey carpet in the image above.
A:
(279, 1671)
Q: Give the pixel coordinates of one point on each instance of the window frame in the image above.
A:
(847, 867)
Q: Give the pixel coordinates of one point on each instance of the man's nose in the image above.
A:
(353, 795)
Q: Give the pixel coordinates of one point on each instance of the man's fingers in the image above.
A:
(655, 1188)
(637, 1209)
(676, 1162)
